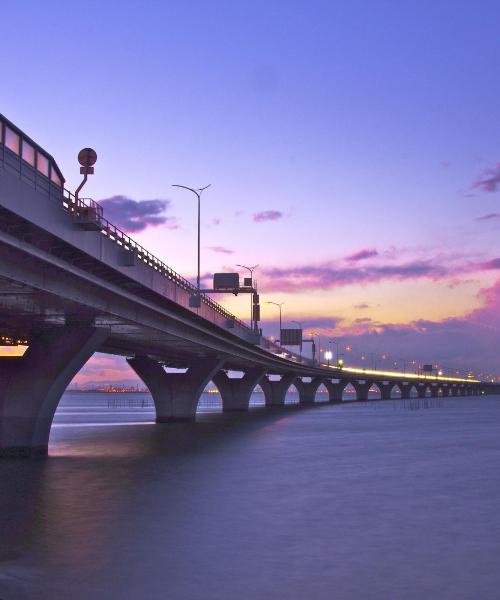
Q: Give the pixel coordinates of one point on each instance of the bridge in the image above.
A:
(71, 284)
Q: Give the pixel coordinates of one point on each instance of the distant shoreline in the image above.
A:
(107, 392)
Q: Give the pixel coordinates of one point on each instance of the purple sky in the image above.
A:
(352, 148)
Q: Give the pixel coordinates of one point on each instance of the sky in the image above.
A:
(352, 149)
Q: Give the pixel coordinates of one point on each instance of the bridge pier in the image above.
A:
(307, 390)
(334, 390)
(175, 395)
(32, 385)
(421, 387)
(385, 389)
(235, 392)
(405, 390)
(362, 390)
(275, 391)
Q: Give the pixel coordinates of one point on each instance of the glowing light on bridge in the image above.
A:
(400, 375)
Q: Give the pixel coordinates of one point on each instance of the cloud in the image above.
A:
(361, 306)
(215, 221)
(466, 343)
(136, 215)
(488, 217)
(491, 265)
(362, 254)
(221, 250)
(267, 215)
(489, 180)
(329, 275)
(104, 369)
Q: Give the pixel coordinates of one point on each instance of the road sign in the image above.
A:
(291, 337)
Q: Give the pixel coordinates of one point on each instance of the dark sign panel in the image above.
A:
(291, 337)
(427, 368)
(226, 281)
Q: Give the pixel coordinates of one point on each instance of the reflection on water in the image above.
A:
(369, 500)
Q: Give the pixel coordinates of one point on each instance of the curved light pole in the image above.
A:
(197, 192)
(279, 305)
(250, 270)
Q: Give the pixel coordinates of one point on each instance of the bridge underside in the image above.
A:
(67, 313)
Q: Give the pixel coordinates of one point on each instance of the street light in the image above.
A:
(197, 192)
(311, 334)
(251, 270)
(337, 347)
(328, 355)
(279, 305)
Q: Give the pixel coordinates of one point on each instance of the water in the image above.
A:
(374, 500)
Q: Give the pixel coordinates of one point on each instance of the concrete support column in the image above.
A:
(275, 391)
(454, 391)
(32, 385)
(307, 390)
(236, 392)
(385, 390)
(405, 390)
(361, 390)
(421, 390)
(175, 395)
(334, 390)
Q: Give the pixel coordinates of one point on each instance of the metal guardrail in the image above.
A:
(116, 235)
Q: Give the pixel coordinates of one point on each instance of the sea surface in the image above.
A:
(378, 500)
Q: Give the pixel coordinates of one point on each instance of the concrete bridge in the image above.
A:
(71, 284)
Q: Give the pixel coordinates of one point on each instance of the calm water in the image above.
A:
(359, 501)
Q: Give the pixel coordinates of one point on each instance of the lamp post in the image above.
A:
(279, 305)
(197, 192)
(250, 270)
(311, 334)
(336, 346)
(328, 356)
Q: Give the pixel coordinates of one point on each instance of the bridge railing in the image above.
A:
(86, 206)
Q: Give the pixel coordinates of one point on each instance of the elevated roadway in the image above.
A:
(71, 284)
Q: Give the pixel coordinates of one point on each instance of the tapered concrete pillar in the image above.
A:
(421, 390)
(334, 390)
(175, 395)
(405, 390)
(307, 390)
(32, 385)
(275, 391)
(385, 389)
(236, 392)
(362, 390)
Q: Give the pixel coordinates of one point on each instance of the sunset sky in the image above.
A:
(352, 148)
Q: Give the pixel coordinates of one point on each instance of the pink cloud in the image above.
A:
(489, 180)
(221, 250)
(465, 343)
(362, 254)
(106, 368)
(137, 215)
(330, 275)
(267, 215)
(488, 217)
